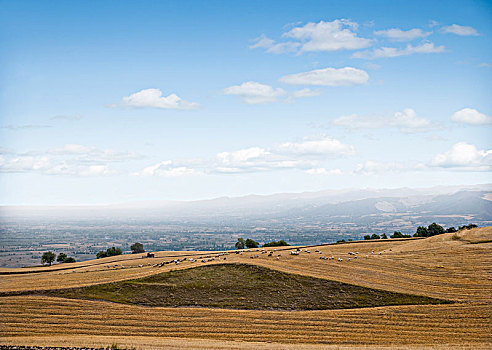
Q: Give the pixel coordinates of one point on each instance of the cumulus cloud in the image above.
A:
(324, 171)
(339, 34)
(406, 121)
(464, 156)
(328, 77)
(153, 98)
(255, 93)
(306, 93)
(303, 155)
(252, 92)
(371, 167)
(471, 116)
(166, 169)
(49, 166)
(262, 42)
(402, 35)
(460, 30)
(325, 146)
(395, 52)
(72, 160)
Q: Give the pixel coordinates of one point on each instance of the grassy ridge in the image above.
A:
(240, 286)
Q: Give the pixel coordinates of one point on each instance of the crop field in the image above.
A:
(454, 267)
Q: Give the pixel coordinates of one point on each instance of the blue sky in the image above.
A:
(116, 101)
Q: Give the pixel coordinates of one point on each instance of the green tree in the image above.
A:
(137, 248)
(421, 232)
(251, 243)
(48, 258)
(367, 237)
(383, 236)
(451, 229)
(109, 252)
(435, 229)
(61, 257)
(69, 260)
(240, 243)
(375, 236)
(397, 234)
(280, 243)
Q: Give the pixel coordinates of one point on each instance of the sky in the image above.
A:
(117, 101)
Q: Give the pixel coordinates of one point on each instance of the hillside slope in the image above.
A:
(449, 266)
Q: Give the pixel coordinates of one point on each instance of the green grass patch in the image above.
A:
(241, 286)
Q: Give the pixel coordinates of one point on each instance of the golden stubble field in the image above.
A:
(457, 267)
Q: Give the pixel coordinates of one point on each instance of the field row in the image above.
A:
(24, 316)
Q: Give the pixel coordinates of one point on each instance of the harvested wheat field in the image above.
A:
(426, 293)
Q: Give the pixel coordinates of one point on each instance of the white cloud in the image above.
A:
(395, 52)
(433, 23)
(402, 35)
(406, 121)
(460, 30)
(471, 116)
(370, 167)
(283, 47)
(325, 146)
(88, 154)
(328, 36)
(153, 98)
(255, 93)
(71, 160)
(485, 64)
(465, 156)
(306, 93)
(328, 77)
(49, 166)
(262, 42)
(324, 171)
(166, 169)
(303, 155)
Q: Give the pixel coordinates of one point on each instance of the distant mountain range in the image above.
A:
(357, 206)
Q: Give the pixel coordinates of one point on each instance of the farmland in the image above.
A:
(454, 267)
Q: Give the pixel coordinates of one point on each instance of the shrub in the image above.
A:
(137, 248)
(61, 257)
(435, 229)
(251, 243)
(280, 243)
(109, 252)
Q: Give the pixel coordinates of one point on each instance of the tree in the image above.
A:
(367, 237)
(435, 229)
(69, 260)
(109, 252)
(48, 258)
(137, 248)
(451, 229)
(280, 243)
(240, 243)
(251, 244)
(375, 236)
(61, 257)
(383, 236)
(397, 234)
(421, 232)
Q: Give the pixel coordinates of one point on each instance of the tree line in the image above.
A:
(249, 243)
(422, 231)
